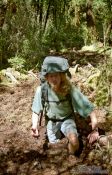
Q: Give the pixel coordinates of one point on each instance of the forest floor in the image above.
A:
(21, 154)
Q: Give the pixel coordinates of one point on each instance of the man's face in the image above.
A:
(54, 80)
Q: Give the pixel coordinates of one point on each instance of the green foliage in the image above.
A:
(60, 39)
(102, 98)
(32, 28)
(17, 62)
(104, 84)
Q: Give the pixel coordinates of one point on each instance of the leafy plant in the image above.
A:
(103, 90)
(17, 62)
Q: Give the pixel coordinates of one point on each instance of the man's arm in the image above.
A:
(94, 135)
(36, 108)
(94, 121)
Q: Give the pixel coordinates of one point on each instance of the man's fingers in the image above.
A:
(35, 135)
(92, 138)
(89, 136)
(35, 132)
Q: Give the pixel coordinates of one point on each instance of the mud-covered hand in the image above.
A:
(93, 136)
(35, 132)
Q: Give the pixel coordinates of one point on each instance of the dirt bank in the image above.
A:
(21, 154)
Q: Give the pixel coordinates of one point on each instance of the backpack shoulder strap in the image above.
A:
(69, 98)
(44, 93)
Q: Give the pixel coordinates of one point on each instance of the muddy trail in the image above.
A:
(21, 154)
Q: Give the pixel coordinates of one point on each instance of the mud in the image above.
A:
(21, 154)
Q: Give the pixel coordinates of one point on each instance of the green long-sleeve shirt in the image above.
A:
(60, 107)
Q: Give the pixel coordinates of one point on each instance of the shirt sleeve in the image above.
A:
(37, 104)
(80, 103)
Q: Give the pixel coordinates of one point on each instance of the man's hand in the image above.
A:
(35, 132)
(93, 136)
(35, 119)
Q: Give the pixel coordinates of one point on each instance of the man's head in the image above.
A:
(54, 70)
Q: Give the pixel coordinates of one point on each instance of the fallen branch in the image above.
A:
(13, 79)
(32, 74)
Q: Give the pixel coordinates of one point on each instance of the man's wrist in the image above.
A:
(34, 127)
(95, 129)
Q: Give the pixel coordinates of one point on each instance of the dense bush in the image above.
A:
(30, 29)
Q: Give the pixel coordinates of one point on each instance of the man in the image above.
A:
(63, 100)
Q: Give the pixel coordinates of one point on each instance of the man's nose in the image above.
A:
(54, 78)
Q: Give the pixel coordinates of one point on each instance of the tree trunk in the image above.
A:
(3, 10)
(47, 14)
